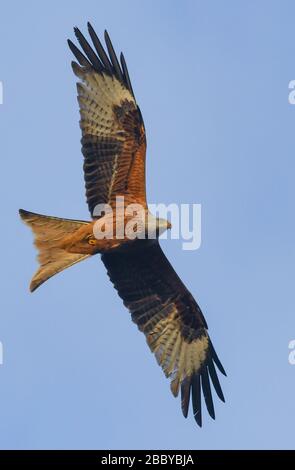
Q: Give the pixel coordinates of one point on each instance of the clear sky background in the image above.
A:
(212, 80)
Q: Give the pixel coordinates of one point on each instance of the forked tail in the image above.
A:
(49, 233)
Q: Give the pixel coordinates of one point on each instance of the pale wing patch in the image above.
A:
(97, 96)
(178, 358)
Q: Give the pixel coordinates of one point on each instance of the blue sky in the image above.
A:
(211, 79)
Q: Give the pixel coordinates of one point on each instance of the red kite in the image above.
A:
(114, 149)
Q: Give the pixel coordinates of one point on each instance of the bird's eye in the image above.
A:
(91, 241)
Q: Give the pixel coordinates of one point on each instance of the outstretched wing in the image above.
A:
(113, 135)
(175, 328)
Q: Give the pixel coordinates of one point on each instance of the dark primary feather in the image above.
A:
(99, 60)
(196, 398)
(215, 380)
(185, 396)
(99, 49)
(113, 57)
(92, 57)
(207, 392)
(78, 54)
(125, 73)
(216, 359)
(172, 321)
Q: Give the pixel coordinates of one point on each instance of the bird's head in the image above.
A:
(155, 226)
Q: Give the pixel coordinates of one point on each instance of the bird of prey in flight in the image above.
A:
(114, 149)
